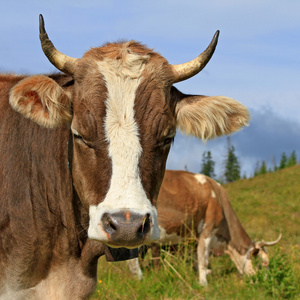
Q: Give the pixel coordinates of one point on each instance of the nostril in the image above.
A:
(112, 225)
(126, 227)
(108, 224)
(145, 227)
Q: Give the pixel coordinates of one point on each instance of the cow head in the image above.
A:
(243, 262)
(258, 250)
(123, 111)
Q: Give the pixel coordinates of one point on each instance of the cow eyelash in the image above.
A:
(167, 141)
(80, 138)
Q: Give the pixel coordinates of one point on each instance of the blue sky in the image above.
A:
(257, 59)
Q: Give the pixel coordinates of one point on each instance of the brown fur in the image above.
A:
(190, 201)
(39, 223)
(44, 206)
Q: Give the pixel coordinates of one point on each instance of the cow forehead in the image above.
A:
(113, 77)
(127, 58)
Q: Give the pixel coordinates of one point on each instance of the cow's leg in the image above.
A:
(155, 249)
(135, 268)
(203, 250)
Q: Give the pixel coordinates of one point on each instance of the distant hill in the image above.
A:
(269, 204)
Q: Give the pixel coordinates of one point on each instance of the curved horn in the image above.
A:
(193, 67)
(263, 243)
(61, 61)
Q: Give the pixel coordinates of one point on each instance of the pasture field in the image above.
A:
(267, 205)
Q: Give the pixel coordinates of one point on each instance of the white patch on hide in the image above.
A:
(165, 238)
(201, 178)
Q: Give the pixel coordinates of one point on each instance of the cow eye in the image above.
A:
(255, 252)
(80, 138)
(167, 141)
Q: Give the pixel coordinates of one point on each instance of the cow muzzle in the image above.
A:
(126, 227)
(123, 228)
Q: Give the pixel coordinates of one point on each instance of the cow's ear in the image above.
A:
(42, 100)
(209, 117)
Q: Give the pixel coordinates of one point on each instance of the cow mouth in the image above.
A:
(120, 254)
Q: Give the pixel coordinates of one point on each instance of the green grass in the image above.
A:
(267, 205)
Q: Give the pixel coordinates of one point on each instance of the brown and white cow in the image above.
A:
(190, 204)
(83, 155)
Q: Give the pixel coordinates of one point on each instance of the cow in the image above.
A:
(195, 205)
(83, 155)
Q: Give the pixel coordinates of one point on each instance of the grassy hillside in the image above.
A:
(266, 205)
(269, 204)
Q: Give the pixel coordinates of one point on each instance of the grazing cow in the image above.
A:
(194, 203)
(83, 155)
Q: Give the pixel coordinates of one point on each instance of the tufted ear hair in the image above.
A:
(208, 117)
(42, 100)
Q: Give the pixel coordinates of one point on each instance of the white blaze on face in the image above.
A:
(126, 191)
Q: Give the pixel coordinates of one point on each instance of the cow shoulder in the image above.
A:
(41, 99)
(208, 117)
